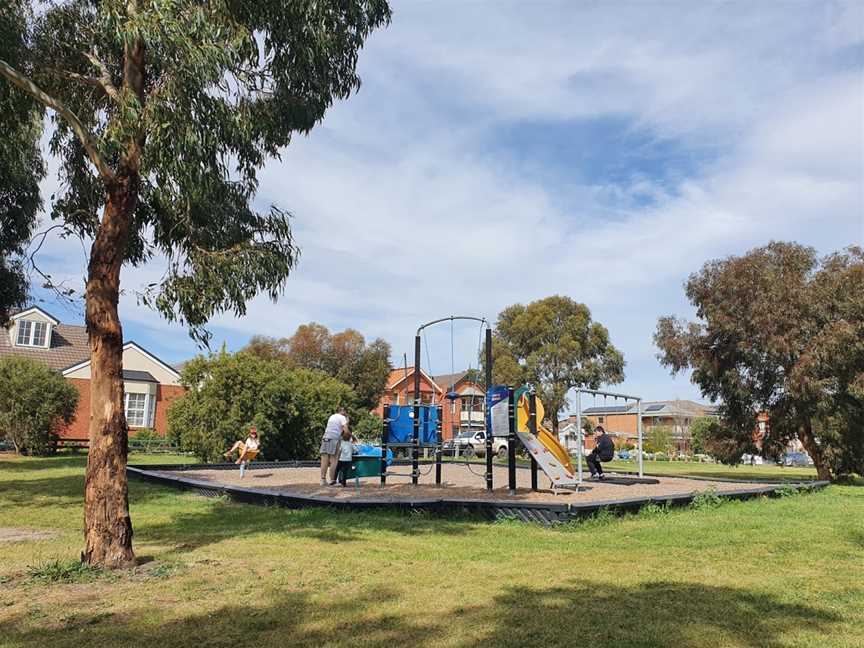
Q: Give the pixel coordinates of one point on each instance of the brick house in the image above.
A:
(462, 413)
(619, 421)
(150, 384)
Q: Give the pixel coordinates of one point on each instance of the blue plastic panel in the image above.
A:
(402, 424)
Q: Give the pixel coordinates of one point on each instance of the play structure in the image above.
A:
(516, 414)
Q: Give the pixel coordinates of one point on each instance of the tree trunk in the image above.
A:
(805, 435)
(107, 524)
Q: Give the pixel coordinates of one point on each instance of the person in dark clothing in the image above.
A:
(604, 450)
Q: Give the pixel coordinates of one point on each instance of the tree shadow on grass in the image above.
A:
(683, 615)
(222, 520)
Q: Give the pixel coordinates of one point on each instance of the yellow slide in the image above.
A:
(544, 436)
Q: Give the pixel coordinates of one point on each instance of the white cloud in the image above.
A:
(405, 215)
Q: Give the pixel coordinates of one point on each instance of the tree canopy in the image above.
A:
(345, 356)
(553, 344)
(779, 331)
(21, 167)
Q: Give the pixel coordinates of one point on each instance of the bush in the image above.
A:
(366, 426)
(227, 393)
(35, 403)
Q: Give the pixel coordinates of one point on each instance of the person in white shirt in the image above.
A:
(336, 425)
(248, 448)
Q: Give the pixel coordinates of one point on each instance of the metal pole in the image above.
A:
(532, 427)
(511, 442)
(488, 431)
(579, 433)
(415, 449)
(438, 447)
(639, 432)
(385, 437)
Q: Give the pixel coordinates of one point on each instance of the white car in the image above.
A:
(473, 444)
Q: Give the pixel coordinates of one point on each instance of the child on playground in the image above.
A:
(346, 452)
(248, 448)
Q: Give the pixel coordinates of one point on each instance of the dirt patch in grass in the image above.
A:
(16, 534)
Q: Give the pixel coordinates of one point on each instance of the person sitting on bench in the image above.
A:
(604, 450)
(248, 449)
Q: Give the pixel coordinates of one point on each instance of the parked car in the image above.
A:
(471, 444)
(796, 459)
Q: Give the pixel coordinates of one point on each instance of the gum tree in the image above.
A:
(21, 169)
(554, 344)
(779, 331)
(163, 113)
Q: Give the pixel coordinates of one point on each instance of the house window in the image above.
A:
(600, 419)
(138, 410)
(31, 333)
(25, 328)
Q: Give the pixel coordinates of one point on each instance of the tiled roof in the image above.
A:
(447, 380)
(69, 346)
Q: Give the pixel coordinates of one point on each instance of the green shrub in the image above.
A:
(227, 393)
(35, 402)
(706, 499)
(366, 426)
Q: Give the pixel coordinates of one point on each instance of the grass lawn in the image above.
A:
(767, 573)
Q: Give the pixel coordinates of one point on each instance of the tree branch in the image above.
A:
(89, 142)
(104, 77)
(74, 76)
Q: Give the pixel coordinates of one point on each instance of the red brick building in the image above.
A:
(150, 384)
(462, 413)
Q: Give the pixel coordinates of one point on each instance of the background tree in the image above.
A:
(34, 403)
(21, 166)
(268, 348)
(700, 432)
(658, 438)
(553, 344)
(782, 332)
(344, 356)
(163, 114)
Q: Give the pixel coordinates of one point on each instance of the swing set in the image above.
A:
(595, 393)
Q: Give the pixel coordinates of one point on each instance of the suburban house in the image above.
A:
(619, 421)
(462, 412)
(150, 384)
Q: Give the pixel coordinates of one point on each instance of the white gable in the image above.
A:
(135, 358)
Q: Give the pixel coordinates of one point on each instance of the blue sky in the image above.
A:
(500, 152)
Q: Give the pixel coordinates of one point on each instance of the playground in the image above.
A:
(551, 488)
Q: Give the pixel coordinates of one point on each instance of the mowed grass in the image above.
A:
(779, 572)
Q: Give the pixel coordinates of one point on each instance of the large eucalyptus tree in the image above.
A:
(163, 113)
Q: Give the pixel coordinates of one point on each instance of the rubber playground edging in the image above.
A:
(539, 512)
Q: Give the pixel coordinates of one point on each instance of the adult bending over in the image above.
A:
(336, 426)
(604, 450)
(248, 448)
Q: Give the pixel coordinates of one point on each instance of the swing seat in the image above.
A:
(452, 395)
